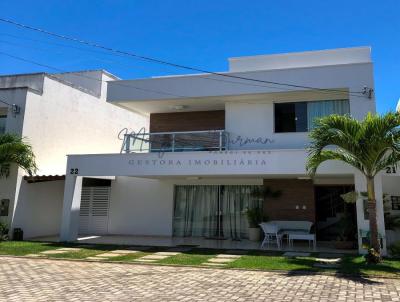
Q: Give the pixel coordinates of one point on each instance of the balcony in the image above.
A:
(211, 140)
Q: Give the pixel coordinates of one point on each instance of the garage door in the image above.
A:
(93, 216)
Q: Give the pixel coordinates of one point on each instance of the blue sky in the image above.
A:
(200, 33)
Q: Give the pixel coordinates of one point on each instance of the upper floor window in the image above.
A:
(300, 116)
(3, 119)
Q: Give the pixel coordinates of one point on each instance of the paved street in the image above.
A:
(51, 280)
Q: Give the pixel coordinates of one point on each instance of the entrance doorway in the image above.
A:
(336, 220)
(95, 203)
(213, 211)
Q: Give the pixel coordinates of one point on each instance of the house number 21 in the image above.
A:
(74, 171)
(391, 170)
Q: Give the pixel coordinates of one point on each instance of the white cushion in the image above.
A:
(293, 225)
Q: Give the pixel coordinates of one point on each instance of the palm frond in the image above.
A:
(14, 150)
(368, 145)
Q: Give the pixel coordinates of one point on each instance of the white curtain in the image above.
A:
(196, 209)
(319, 109)
(213, 211)
(234, 202)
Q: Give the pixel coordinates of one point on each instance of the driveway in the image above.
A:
(25, 279)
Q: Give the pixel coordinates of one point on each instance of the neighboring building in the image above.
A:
(59, 114)
(213, 141)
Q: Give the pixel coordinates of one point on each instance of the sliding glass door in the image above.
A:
(196, 211)
(213, 211)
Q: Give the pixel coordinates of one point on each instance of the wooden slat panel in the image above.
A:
(187, 121)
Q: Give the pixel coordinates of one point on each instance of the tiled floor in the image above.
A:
(58, 280)
(198, 242)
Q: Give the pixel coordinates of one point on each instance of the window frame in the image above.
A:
(274, 121)
(300, 101)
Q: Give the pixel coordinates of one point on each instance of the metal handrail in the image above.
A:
(179, 132)
(170, 141)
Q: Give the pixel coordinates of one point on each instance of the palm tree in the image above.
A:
(14, 150)
(368, 145)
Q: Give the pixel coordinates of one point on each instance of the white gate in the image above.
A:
(93, 215)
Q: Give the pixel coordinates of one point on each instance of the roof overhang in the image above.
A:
(211, 92)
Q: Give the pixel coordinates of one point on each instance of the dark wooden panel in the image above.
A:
(295, 192)
(187, 121)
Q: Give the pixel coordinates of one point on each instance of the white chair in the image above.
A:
(271, 234)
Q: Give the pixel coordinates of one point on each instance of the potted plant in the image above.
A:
(347, 231)
(254, 217)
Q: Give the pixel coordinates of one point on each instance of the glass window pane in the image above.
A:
(301, 117)
(285, 117)
(320, 109)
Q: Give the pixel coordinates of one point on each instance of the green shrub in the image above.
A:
(3, 231)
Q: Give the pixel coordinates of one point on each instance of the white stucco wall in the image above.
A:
(301, 59)
(141, 207)
(38, 211)
(391, 187)
(252, 121)
(68, 121)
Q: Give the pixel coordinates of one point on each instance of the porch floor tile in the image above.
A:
(180, 249)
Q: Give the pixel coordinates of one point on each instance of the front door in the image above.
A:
(93, 215)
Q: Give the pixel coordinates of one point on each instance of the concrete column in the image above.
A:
(362, 223)
(71, 207)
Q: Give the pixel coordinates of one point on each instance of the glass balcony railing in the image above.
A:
(212, 140)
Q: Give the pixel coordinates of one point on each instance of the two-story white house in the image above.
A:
(179, 159)
(213, 141)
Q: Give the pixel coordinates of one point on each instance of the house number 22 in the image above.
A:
(391, 170)
(74, 171)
